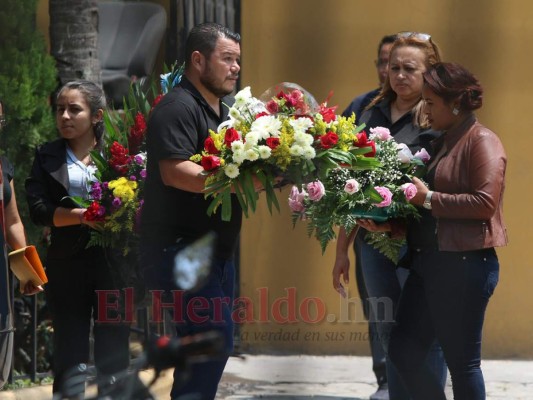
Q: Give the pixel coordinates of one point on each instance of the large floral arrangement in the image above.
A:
(347, 194)
(282, 133)
(116, 196)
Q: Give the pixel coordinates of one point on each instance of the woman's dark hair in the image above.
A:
(203, 38)
(451, 82)
(95, 98)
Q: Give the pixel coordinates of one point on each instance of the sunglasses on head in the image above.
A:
(417, 35)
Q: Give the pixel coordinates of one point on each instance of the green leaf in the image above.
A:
(240, 197)
(226, 205)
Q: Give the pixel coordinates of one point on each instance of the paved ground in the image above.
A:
(319, 378)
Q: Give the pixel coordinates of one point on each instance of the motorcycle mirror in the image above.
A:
(192, 265)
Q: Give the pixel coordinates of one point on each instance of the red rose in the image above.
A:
(210, 162)
(328, 113)
(209, 146)
(261, 114)
(372, 152)
(231, 136)
(361, 139)
(272, 142)
(329, 140)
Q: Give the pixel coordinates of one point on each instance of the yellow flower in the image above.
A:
(123, 188)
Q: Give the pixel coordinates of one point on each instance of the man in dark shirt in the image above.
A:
(175, 211)
(359, 104)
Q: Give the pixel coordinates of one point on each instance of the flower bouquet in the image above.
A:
(283, 134)
(347, 193)
(116, 196)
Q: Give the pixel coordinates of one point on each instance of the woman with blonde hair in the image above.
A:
(397, 107)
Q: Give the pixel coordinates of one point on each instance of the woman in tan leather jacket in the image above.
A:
(454, 267)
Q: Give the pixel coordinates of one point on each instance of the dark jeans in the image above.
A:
(71, 296)
(376, 349)
(209, 308)
(384, 282)
(445, 297)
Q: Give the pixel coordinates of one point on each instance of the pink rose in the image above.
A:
(409, 190)
(316, 190)
(422, 155)
(296, 200)
(381, 133)
(351, 186)
(386, 194)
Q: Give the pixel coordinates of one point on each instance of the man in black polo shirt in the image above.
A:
(174, 211)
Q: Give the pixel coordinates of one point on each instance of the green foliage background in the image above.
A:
(27, 79)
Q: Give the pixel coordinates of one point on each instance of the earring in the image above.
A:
(455, 111)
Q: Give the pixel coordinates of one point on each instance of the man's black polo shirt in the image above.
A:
(177, 129)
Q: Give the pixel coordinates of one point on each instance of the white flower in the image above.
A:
(251, 140)
(267, 126)
(251, 154)
(301, 125)
(303, 139)
(264, 152)
(237, 145)
(235, 114)
(404, 154)
(296, 150)
(231, 170)
(309, 152)
(243, 96)
(238, 157)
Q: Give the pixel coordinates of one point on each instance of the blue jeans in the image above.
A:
(445, 297)
(384, 282)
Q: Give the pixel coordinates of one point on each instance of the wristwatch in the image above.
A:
(427, 201)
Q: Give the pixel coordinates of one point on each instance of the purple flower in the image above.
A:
(422, 155)
(296, 200)
(143, 173)
(101, 211)
(386, 194)
(139, 159)
(316, 190)
(133, 178)
(116, 202)
(105, 185)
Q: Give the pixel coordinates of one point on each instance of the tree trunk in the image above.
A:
(74, 39)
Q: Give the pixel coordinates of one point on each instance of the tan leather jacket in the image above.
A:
(469, 185)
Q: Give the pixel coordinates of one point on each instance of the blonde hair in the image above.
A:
(432, 54)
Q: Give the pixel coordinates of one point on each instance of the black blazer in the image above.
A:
(47, 189)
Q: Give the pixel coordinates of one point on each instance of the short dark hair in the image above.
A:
(452, 81)
(387, 39)
(203, 38)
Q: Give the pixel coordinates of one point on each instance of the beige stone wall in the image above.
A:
(330, 46)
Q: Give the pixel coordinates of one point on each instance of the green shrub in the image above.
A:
(27, 78)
